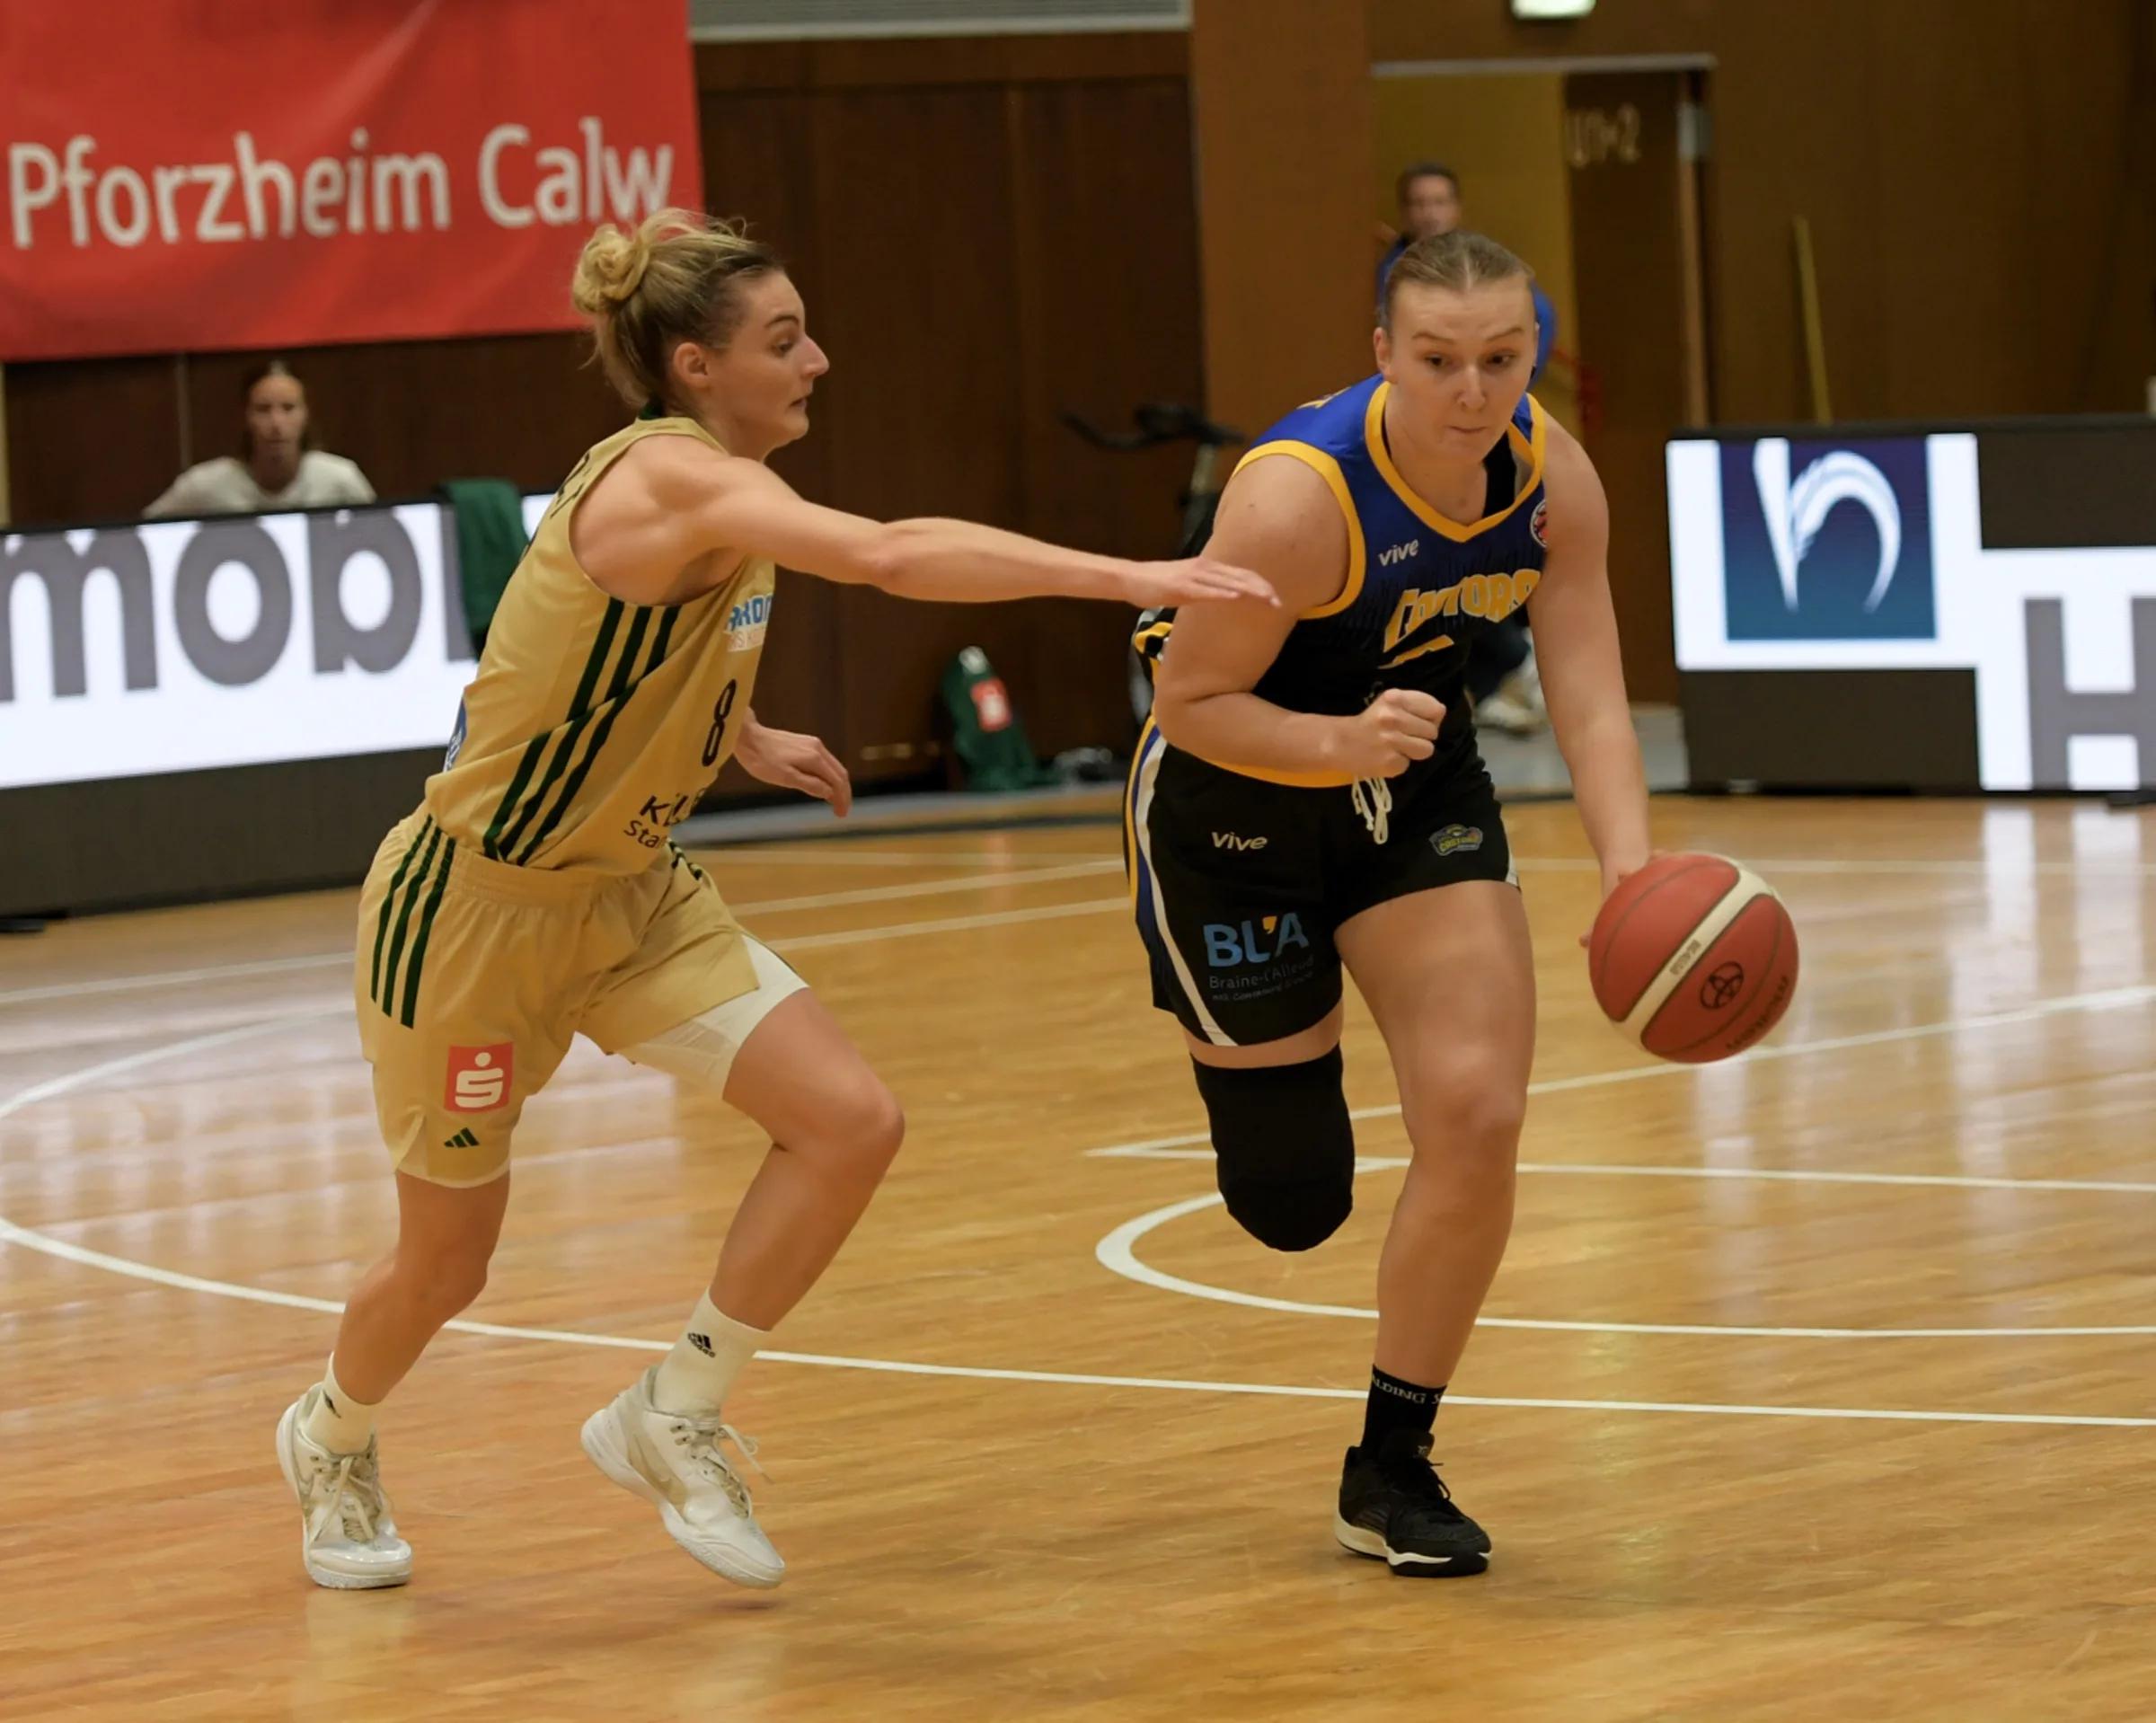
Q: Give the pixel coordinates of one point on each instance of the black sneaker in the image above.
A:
(1394, 1507)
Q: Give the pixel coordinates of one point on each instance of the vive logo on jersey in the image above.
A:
(479, 1077)
(746, 621)
(1231, 945)
(1399, 552)
(1235, 841)
(1842, 551)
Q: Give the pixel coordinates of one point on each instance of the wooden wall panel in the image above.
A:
(1980, 176)
(975, 259)
(1626, 211)
(1108, 318)
(1286, 138)
(90, 441)
(758, 165)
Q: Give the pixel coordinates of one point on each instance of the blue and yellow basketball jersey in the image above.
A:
(1418, 586)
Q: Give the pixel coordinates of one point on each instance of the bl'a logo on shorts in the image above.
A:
(1457, 840)
(1233, 946)
(479, 1077)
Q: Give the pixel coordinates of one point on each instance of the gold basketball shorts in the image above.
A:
(472, 977)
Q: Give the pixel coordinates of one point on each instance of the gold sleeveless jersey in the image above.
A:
(594, 725)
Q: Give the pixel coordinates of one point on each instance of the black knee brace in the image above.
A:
(1285, 1148)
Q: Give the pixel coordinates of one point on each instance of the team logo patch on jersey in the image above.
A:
(1457, 840)
(746, 621)
(1537, 522)
(479, 1077)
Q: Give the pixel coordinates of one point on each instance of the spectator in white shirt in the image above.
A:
(275, 468)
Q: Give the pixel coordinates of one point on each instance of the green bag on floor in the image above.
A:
(987, 739)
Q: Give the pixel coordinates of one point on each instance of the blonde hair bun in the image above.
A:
(610, 269)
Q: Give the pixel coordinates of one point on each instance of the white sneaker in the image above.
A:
(347, 1538)
(1530, 689)
(673, 1460)
(1501, 712)
(1515, 705)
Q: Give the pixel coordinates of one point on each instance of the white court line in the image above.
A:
(2109, 999)
(174, 978)
(931, 887)
(1080, 866)
(951, 925)
(1605, 1170)
(1117, 1253)
(775, 906)
(10, 1233)
(841, 852)
(2002, 871)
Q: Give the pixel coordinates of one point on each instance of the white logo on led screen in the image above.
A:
(1796, 512)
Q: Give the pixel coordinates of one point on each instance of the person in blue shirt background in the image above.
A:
(1502, 678)
(1428, 194)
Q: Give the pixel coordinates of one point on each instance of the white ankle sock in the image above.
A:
(338, 1422)
(695, 1377)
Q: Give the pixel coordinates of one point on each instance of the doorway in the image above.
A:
(1592, 171)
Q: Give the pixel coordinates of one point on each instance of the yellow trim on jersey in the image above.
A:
(1159, 630)
(1374, 437)
(1328, 470)
(1295, 780)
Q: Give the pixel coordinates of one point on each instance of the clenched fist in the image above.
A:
(1396, 729)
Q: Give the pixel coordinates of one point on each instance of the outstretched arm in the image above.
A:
(673, 503)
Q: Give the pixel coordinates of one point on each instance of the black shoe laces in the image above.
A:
(1414, 1474)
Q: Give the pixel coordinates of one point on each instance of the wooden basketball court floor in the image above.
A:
(1816, 1385)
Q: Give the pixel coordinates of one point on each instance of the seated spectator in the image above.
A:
(275, 468)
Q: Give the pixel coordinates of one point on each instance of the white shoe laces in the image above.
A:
(348, 1492)
(1374, 802)
(698, 1438)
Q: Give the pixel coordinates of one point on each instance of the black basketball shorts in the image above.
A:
(1238, 884)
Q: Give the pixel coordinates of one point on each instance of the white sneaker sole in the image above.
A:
(1361, 1540)
(332, 1578)
(603, 1448)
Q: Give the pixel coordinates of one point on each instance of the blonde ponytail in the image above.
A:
(675, 277)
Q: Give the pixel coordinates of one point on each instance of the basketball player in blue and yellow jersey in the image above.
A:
(534, 894)
(1309, 796)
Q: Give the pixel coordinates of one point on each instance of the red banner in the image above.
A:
(193, 174)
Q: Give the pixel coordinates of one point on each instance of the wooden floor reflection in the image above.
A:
(1816, 1385)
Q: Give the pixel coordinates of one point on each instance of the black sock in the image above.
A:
(1397, 1405)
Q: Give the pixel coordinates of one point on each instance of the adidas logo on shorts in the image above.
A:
(461, 1140)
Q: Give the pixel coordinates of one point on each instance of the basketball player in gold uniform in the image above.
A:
(534, 895)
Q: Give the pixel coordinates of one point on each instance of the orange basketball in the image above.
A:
(1694, 958)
